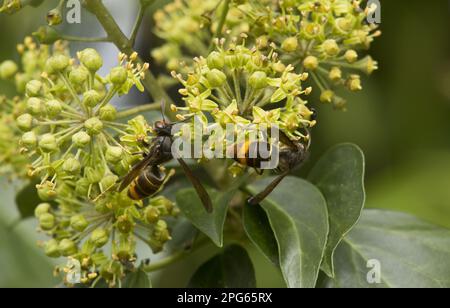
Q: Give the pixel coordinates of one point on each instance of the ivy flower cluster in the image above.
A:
(272, 94)
(326, 38)
(79, 149)
(188, 27)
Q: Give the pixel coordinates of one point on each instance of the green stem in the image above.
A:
(137, 25)
(116, 35)
(85, 39)
(222, 21)
(138, 109)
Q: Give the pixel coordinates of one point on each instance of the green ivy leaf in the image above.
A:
(257, 226)
(230, 269)
(209, 223)
(297, 212)
(339, 174)
(137, 280)
(411, 253)
(27, 200)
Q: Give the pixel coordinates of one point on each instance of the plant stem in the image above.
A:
(86, 39)
(138, 109)
(116, 36)
(137, 25)
(222, 21)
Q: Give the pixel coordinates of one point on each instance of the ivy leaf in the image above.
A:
(297, 212)
(339, 174)
(209, 223)
(257, 226)
(27, 200)
(230, 269)
(410, 253)
(137, 280)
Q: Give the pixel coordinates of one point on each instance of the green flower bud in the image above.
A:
(79, 223)
(161, 232)
(8, 69)
(327, 96)
(79, 75)
(82, 187)
(91, 59)
(54, 17)
(354, 83)
(53, 108)
(232, 61)
(93, 126)
(108, 113)
(46, 191)
(151, 214)
(91, 98)
(114, 154)
(290, 44)
(216, 78)
(29, 140)
(99, 237)
(215, 60)
(21, 81)
(41, 209)
(351, 56)
(25, 122)
(46, 221)
(35, 106)
(94, 175)
(335, 74)
(258, 80)
(67, 248)
(311, 63)
(118, 75)
(52, 249)
(331, 48)
(47, 35)
(124, 225)
(81, 139)
(33, 88)
(57, 63)
(108, 181)
(72, 166)
(48, 143)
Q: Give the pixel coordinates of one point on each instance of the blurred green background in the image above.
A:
(401, 120)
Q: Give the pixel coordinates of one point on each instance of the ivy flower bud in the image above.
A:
(108, 113)
(48, 143)
(99, 237)
(94, 175)
(258, 80)
(151, 214)
(25, 122)
(81, 139)
(93, 126)
(354, 83)
(54, 17)
(215, 60)
(46, 221)
(335, 74)
(216, 78)
(124, 225)
(108, 181)
(331, 48)
(326, 96)
(114, 154)
(8, 69)
(72, 166)
(367, 65)
(51, 249)
(47, 35)
(79, 223)
(67, 248)
(91, 98)
(351, 56)
(35, 106)
(46, 191)
(118, 75)
(79, 75)
(91, 59)
(41, 209)
(82, 187)
(33, 88)
(57, 63)
(290, 44)
(53, 108)
(29, 140)
(311, 63)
